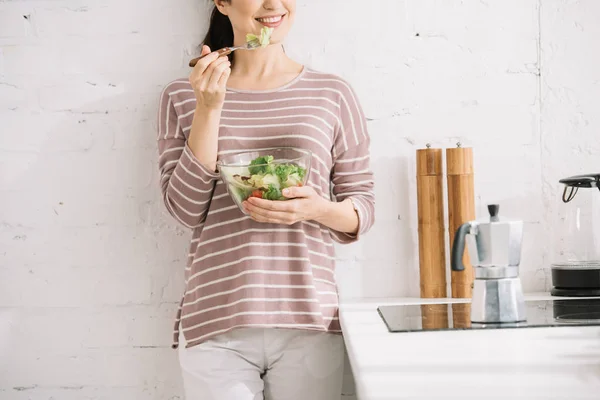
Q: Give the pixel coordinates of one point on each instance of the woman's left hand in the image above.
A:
(304, 204)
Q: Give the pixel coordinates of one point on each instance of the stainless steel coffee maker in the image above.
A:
(494, 246)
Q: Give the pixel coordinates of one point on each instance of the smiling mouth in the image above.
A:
(269, 21)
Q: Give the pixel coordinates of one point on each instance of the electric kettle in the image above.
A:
(576, 237)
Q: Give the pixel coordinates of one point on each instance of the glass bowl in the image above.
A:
(264, 173)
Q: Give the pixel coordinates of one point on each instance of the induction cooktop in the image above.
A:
(439, 317)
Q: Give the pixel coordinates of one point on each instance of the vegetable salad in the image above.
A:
(266, 179)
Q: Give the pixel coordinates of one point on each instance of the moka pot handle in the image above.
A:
(458, 247)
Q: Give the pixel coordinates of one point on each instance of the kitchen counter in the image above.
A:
(530, 363)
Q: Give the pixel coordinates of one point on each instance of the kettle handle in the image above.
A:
(458, 247)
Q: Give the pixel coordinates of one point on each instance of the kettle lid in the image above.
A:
(574, 183)
(582, 181)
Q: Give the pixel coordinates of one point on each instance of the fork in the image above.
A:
(251, 45)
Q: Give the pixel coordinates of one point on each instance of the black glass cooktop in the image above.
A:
(540, 313)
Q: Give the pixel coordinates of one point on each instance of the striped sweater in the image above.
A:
(243, 273)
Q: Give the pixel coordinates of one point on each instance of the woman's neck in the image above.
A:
(263, 68)
(261, 62)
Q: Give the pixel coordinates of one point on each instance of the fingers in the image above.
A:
(202, 81)
(265, 215)
(278, 206)
(297, 192)
(224, 77)
(217, 73)
(205, 62)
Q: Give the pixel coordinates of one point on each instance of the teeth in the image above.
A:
(270, 20)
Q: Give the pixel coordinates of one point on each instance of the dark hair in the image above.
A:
(220, 32)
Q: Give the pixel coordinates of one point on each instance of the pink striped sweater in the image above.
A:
(242, 273)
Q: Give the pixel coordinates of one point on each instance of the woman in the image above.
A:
(259, 316)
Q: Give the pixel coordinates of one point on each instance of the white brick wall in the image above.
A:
(90, 263)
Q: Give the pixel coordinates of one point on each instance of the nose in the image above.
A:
(272, 5)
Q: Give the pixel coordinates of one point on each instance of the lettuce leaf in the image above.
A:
(266, 168)
(263, 181)
(283, 171)
(273, 193)
(263, 40)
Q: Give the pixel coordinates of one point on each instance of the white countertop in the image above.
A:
(536, 363)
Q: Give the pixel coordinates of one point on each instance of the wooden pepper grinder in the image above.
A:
(430, 202)
(461, 208)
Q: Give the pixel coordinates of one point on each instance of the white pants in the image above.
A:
(270, 364)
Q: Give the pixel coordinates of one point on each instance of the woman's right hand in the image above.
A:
(209, 79)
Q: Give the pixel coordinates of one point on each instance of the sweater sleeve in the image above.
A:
(186, 184)
(352, 177)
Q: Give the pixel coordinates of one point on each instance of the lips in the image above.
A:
(271, 21)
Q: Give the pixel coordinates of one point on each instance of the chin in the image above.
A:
(278, 37)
